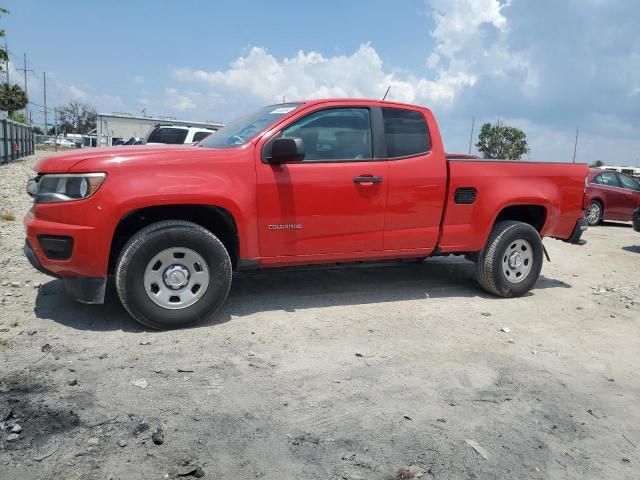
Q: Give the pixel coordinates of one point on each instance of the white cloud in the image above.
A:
(458, 22)
(470, 40)
(77, 93)
(312, 75)
(177, 100)
(101, 102)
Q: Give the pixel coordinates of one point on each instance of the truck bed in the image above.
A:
(557, 187)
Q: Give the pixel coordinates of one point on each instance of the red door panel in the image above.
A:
(317, 208)
(417, 188)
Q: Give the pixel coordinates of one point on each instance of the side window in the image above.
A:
(598, 180)
(168, 135)
(609, 179)
(629, 183)
(200, 135)
(336, 134)
(406, 132)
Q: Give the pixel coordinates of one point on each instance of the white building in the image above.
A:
(112, 126)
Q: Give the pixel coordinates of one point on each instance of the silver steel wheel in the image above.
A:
(593, 213)
(176, 278)
(517, 261)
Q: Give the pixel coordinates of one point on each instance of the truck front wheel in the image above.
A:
(510, 263)
(173, 274)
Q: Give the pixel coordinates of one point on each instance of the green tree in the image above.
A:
(37, 130)
(4, 55)
(597, 164)
(19, 117)
(12, 98)
(502, 141)
(77, 117)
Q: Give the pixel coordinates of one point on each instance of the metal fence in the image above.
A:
(16, 140)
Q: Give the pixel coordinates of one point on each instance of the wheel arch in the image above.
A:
(599, 200)
(533, 214)
(217, 220)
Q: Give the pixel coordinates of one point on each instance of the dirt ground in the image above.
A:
(371, 372)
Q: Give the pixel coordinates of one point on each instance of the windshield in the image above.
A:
(239, 131)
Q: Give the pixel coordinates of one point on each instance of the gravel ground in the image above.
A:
(374, 372)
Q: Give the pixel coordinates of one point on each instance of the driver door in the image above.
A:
(331, 202)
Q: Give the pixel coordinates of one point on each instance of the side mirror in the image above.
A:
(286, 149)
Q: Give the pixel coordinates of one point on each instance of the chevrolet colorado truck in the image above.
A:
(317, 182)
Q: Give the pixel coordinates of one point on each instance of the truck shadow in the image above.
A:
(632, 248)
(295, 289)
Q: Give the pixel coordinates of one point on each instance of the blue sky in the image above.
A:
(546, 66)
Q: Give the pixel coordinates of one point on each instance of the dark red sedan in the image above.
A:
(610, 196)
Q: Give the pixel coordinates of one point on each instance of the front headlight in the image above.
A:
(64, 187)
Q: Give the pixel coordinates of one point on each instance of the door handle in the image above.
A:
(367, 179)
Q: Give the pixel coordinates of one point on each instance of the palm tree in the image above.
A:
(12, 98)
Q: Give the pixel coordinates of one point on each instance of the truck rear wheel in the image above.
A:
(173, 274)
(510, 263)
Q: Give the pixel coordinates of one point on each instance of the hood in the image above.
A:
(109, 158)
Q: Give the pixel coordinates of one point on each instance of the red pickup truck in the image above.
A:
(317, 182)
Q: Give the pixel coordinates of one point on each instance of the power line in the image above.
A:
(41, 106)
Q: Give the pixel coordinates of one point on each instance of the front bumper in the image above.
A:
(579, 229)
(85, 290)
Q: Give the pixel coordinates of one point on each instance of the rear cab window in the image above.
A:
(406, 132)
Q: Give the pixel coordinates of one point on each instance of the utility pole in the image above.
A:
(55, 129)
(6, 62)
(473, 123)
(26, 89)
(575, 147)
(46, 127)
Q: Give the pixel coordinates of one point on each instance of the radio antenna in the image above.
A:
(386, 93)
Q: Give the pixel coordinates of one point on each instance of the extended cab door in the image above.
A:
(417, 179)
(331, 202)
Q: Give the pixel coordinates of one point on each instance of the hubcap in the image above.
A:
(593, 213)
(176, 278)
(517, 261)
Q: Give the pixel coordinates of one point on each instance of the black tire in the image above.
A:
(595, 206)
(489, 272)
(155, 238)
